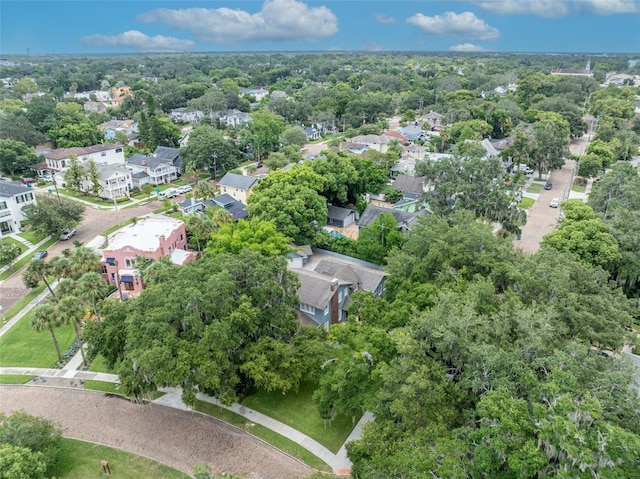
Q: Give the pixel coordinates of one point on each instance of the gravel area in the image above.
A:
(177, 438)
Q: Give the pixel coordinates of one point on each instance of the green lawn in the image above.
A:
(101, 386)
(159, 211)
(82, 459)
(263, 433)
(26, 259)
(535, 188)
(32, 236)
(9, 240)
(14, 379)
(578, 188)
(299, 411)
(526, 203)
(99, 365)
(22, 346)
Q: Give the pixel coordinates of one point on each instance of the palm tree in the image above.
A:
(70, 312)
(45, 317)
(59, 267)
(92, 287)
(82, 260)
(37, 271)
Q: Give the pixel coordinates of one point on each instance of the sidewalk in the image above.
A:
(30, 248)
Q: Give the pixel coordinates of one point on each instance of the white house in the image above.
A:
(115, 181)
(151, 169)
(13, 197)
(186, 115)
(56, 160)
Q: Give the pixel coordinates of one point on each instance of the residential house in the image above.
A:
(490, 150)
(119, 93)
(341, 217)
(234, 118)
(186, 115)
(153, 237)
(234, 207)
(191, 205)
(404, 219)
(374, 142)
(327, 281)
(57, 160)
(95, 106)
(115, 181)
(433, 118)
(109, 128)
(151, 169)
(351, 147)
(171, 154)
(412, 188)
(257, 93)
(312, 133)
(412, 133)
(397, 136)
(278, 94)
(237, 186)
(13, 197)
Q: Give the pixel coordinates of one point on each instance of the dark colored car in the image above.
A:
(548, 186)
(40, 254)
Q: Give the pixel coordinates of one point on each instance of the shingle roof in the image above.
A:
(367, 279)
(106, 171)
(371, 213)
(409, 184)
(240, 182)
(9, 189)
(150, 161)
(61, 153)
(338, 213)
(315, 288)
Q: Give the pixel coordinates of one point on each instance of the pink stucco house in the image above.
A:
(152, 237)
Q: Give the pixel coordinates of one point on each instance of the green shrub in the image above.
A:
(121, 199)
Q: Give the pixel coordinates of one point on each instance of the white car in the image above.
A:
(67, 234)
(184, 189)
(554, 203)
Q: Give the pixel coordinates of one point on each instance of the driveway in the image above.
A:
(95, 222)
(180, 439)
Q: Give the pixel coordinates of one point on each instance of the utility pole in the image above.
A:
(421, 104)
(215, 165)
(364, 118)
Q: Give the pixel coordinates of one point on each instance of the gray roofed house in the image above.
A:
(340, 217)
(159, 169)
(404, 219)
(327, 281)
(409, 184)
(233, 206)
(169, 153)
(238, 186)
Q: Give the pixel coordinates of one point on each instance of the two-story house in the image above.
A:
(151, 169)
(115, 181)
(186, 115)
(153, 237)
(13, 197)
(237, 186)
(109, 128)
(327, 281)
(55, 161)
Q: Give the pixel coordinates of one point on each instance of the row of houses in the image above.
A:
(116, 175)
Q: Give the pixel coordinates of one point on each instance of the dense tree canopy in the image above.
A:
(52, 215)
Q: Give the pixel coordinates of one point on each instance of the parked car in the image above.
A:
(47, 178)
(184, 189)
(40, 254)
(67, 234)
(554, 203)
(26, 181)
(548, 186)
(522, 168)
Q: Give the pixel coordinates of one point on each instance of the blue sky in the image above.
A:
(126, 26)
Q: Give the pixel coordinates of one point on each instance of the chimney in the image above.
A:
(144, 162)
(334, 284)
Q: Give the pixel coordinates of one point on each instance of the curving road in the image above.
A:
(174, 437)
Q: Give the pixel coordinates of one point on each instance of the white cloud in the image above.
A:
(279, 20)
(373, 46)
(467, 47)
(384, 19)
(541, 8)
(139, 41)
(558, 8)
(450, 24)
(611, 7)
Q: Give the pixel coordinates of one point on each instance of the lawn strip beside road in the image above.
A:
(299, 411)
(25, 260)
(22, 303)
(15, 378)
(263, 433)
